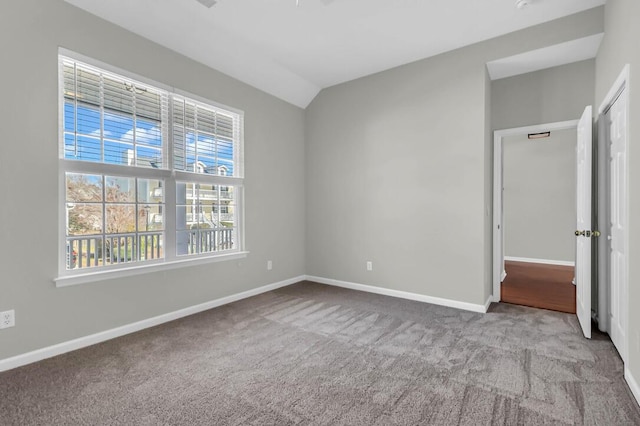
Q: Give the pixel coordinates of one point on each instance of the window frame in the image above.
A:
(169, 175)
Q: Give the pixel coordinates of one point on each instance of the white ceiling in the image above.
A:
(293, 52)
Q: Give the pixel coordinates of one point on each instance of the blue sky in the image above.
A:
(119, 139)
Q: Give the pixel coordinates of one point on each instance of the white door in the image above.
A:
(617, 119)
(583, 222)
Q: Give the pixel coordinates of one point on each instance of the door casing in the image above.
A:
(604, 207)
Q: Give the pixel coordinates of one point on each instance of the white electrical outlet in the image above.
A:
(7, 319)
(269, 265)
(369, 266)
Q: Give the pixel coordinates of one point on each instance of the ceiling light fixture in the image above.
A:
(521, 4)
(325, 2)
(208, 3)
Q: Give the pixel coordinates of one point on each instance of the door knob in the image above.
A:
(587, 234)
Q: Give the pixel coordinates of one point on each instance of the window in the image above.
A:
(111, 220)
(201, 226)
(149, 176)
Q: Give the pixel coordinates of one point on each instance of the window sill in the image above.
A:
(90, 277)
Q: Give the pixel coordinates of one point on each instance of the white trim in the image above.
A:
(487, 304)
(633, 384)
(498, 237)
(145, 268)
(81, 342)
(623, 83)
(404, 295)
(542, 261)
(498, 241)
(72, 345)
(537, 128)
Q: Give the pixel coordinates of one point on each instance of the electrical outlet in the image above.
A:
(369, 266)
(269, 265)
(7, 319)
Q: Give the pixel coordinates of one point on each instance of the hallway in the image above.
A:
(540, 286)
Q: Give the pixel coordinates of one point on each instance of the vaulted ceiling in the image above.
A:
(294, 48)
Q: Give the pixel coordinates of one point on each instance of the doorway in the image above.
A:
(540, 285)
(538, 208)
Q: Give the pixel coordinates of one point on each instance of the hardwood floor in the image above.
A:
(540, 286)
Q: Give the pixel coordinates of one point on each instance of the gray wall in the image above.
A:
(546, 96)
(398, 166)
(539, 196)
(392, 179)
(620, 47)
(30, 33)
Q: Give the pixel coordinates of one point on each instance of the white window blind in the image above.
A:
(205, 139)
(112, 119)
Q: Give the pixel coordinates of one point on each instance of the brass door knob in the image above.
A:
(587, 233)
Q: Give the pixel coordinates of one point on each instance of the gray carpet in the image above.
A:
(312, 354)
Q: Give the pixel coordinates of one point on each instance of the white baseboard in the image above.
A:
(81, 342)
(71, 345)
(488, 303)
(633, 384)
(543, 261)
(404, 295)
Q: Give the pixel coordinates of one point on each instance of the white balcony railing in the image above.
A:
(92, 251)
